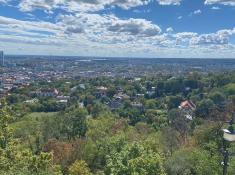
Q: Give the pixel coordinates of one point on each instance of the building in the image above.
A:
(188, 105)
(1, 58)
(121, 97)
(45, 93)
(138, 106)
(101, 92)
(188, 108)
(62, 99)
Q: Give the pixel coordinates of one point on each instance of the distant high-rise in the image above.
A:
(1, 58)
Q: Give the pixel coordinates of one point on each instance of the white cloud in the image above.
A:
(82, 33)
(79, 5)
(74, 29)
(30, 5)
(28, 25)
(183, 38)
(196, 12)
(3, 1)
(185, 35)
(131, 26)
(215, 8)
(141, 11)
(109, 25)
(180, 17)
(209, 39)
(169, 2)
(221, 37)
(223, 2)
(169, 30)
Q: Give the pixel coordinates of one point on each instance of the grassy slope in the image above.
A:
(30, 126)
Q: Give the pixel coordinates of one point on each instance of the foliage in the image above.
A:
(15, 161)
(134, 159)
(204, 107)
(157, 118)
(79, 168)
(87, 136)
(179, 122)
(74, 124)
(192, 162)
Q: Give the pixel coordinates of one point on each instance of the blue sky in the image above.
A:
(126, 28)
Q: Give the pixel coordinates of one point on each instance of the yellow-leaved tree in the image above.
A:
(79, 168)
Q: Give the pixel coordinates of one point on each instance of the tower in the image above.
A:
(1, 58)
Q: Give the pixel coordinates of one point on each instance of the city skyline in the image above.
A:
(119, 28)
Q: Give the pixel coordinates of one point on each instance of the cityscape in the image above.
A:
(139, 92)
(117, 87)
(21, 71)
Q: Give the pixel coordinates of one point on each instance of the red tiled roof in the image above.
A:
(188, 104)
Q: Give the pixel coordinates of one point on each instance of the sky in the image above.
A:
(119, 28)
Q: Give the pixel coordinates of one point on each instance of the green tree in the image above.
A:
(173, 101)
(134, 159)
(204, 107)
(156, 118)
(179, 122)
(14, 160)
(170, 139)
(217, 97)
(79, 168)
(150, 104)
(192, 162)
(99, 109)
(229, 89)
(5, 130)
(75, 123)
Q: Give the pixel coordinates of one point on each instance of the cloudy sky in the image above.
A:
(126, 28)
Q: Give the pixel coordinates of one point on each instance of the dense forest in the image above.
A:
(158, 125)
